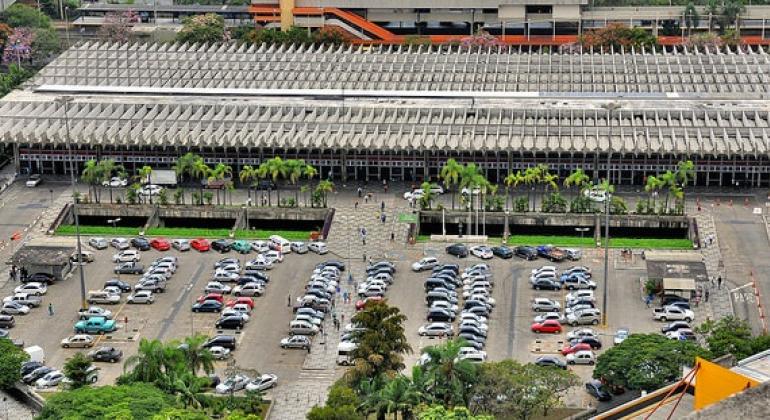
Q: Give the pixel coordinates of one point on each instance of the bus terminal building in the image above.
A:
(398, 112)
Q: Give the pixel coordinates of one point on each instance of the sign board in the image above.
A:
(407, 218)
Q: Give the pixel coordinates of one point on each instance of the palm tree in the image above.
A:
(185, 164)
(426, 201)
(691, 17)
(685, 172)
(450, 174)
(220, 172)
(294, 170)
(712, 8)
(196, 356)
(149, 363)
(109, 167)
(145, 174)
(325, 187)
(93, 174)
(309, 172)
(472, 178)
(668, 179)
(276, 168)
(531, 178)
(578, 179)
(247, 176)
(200, 171)
(187, 388)
(373, 401)
(399, 396)
(654, 184)
(449, 378)
(512, 181)
(262, 174)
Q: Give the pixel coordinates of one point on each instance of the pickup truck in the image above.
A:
(25, 299)
(95, 325)
(672, 313)
(551, 253)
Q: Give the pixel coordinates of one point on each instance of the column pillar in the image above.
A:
(287, 14)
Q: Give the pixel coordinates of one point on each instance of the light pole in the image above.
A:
(65, 101)
(610, 107)
(67, 26)
(582, 231)
(114, 224)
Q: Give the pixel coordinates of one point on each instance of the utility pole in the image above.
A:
(610, 107)
(65, 101)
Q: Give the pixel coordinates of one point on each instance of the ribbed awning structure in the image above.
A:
(688, 103)
(411, 68)
(245, 124)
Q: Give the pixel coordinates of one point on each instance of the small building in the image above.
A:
(684, 287)
(676, 265)
(54, 260)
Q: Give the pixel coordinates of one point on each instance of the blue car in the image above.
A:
(565, 277)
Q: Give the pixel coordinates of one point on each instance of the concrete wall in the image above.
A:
(561, 219)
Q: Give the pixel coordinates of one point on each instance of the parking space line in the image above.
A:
(512, 314)
(178, 304)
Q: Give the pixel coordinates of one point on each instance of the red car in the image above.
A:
(361, 303)
(211, 296)
(547, 326)
(200, 244)
(577, 347)
(161, 244)
(242, 299)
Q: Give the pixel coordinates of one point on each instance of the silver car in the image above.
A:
(98, 243)
(120, 243)
(181, 244)
(141, 296)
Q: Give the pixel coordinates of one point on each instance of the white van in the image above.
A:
(345, 353)
(35, 353)
(281, 244)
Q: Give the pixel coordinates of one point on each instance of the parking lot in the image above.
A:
(170, 316)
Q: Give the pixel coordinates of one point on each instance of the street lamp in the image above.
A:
(114, 223)
(65, 101)
(582, 231)
(610, 107)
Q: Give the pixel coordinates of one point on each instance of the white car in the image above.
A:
(481, 326)
(114, 290)
(141, 296)
(266, 381)
(595, 194)
(545, 268)
(259, 264)
(582, 332)
(181, 244)
(482, 298)
(234, 312)
(545, 305)
(128, 255)
(242, 308)
(582, 357)
(219, 353)
(220, 276)
(249, 289)
(217, 287)
(51, 379)
(78, 340)
(583, 294)
(307, 318)
(273, 256)
(232, 384)
(442, 304)
(436, 329)
(482, 251)
(115, 182)
(620, 335)
(150, 189)
(549, 315)
(471, 316)
(319, 248)
(120, 243)
(34, 180)
(14, 308)
(425, 264)
(414, 195)
(260, 246)
(33, 288)
(94, 311)
(472, 354)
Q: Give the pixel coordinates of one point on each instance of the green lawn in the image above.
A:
(292, 235)
(588, 241)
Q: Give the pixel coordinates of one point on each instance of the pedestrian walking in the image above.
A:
(12, 273)
(366, 199)
(707, 295)
(288, 300)
(342, 317)
(50, 309)
(360, 192)
(364, 259)
(338, 289)
(336, 324)
(719, 282)
(382, 206)
(383, 217)
(356, 205)
(308, 349)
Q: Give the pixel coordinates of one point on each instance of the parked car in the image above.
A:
(249, 289)
(482, 251)
(39, 278)
(674, 326)
(299, 247)
(264, 382)
(50, 379)
(95, 325)
(221, 245)
(78, 341)
(98, 243)
(37, 289)
(94, 311)
(85, 257)
(551, 361)
(141, 296)
(436, 329)
(217, 287)
(241, 247)
(226, 341)
(584, 317)
(128, 255)
(594, 342)
(7, 321)
(583, 357)
(200, 244)
(546, 284)
(106, 354)
(547, 326)
(207, 306)
(230, 322)
(597, 390)
(574, 348)
(140, 243)
(425, 264)
(502, 251)
(525, 252)
(129, 268)
(160, 244)
(120, 244)
(34, 180)
(620, 335)
(219, 353)
(232, 384)
(319, 248)
(458, 250)
(115, 182)
(36, 374)
(296, 342)
(545, 305)
(14, 308)
(673, 313)
(181, 244)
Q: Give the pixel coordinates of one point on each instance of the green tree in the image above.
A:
(512, 181)
(294, 170)
(345, 412)
(276, 169)
(185, 165)
(179, 196)
(11, 358)
(196, 356)
(11, 79)
(577, 179)
(653, 187)
(448, 379)
(145, 176)
(154, 363)
(685, 173)
(668, 180)
(200, 171)
(187, 388)
(730, 12)
(203, 29)
(450, 174)
(45, 44)
(20, 15)
(180, 414)
(247, 176)
(309, 172)
(691, 17)
(76, 369)
(381, 342)
(323, 188)
(399, 396)
(646, 361)
(731, 335)
(340, 395)
(712, 8)
(438, 412)
(93, 175)
(134, 401)
(426, 200)
(220, 172)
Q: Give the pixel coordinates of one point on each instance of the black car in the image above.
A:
(39, 278)
(458, 250)
(230, 322)
(120, 284)
(440, 315)
(527, 252)
(250, 279)
(551, 361)
(28, 367)
(226, 341)
(674, 326)
(475, 303)
(465, 328)
(141, 244)
(106, 354)
(7, 321)
(382, 265)
(129, 268)
(594, 342)
(502, 251)
(207, 306)
(221, 245)
(447, 267)
(253, 274)
(669, 299)
(546, 284)
(332, 263)
(598, 391)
